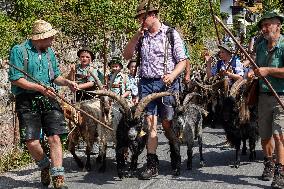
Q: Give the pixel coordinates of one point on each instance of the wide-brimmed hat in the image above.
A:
(86, 49)
(270, 14)
(42, 30)
(131, 61)
(143, 6)
(225, 47)
(115, 60)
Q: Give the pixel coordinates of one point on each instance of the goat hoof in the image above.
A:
(176, 172)
(237, 165)
(202, 163)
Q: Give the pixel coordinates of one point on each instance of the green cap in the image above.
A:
(270, 14)
(225, 47)
(143, 6)
(115, 60)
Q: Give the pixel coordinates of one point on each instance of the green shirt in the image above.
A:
(37, 66)
(277, 61)
(83, 75)
(123, 82)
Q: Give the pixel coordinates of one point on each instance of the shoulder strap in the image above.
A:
(50, 67)
(219, 62)
(170, 36)
(25, 57)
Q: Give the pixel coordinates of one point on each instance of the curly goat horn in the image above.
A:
(146, 100)
(188, 97)
(236, 86)
(122, 101)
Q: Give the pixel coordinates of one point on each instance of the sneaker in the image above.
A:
(45, 176)
(278, 179)
(58, 182)
(268, 171)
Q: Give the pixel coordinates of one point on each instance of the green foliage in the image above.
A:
(14, 159)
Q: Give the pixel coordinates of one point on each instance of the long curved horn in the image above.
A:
(236, 86)
(146, 100)
(97, 80)
(188, 97)
(122, 101)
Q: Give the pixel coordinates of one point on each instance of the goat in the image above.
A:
(236, 122)
(130, 133)
(187, 124)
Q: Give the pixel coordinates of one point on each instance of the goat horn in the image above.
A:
(236, 86)
(97, 80)
(188, 97)
(146, 100)
(122, 101)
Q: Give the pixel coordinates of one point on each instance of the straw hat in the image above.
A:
(143, 6)
(42, 30)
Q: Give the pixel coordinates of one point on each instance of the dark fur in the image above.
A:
(237, 132)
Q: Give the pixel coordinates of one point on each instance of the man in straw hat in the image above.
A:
(270, 59)
(157, 73)
(36, 106)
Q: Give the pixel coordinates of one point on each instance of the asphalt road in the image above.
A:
(218, 172)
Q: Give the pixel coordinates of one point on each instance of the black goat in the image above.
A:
(237, 125)
(187, 124)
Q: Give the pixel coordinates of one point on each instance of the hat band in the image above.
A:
(42, 32)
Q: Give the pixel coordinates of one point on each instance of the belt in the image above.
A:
(115, 86)
(147, 78)
(271, 94)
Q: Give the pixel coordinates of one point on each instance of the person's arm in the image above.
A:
(169, 78)
(65, 82)
(187, 72)
(268, 71)
(130, 47)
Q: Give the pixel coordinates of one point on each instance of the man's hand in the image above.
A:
(73, 86)
(263, 71)
(48, 92)
(168, 79)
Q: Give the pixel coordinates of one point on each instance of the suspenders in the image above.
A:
(26, 61)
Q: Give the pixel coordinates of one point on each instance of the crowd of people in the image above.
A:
(158, 68)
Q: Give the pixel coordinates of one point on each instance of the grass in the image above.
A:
(14, 159)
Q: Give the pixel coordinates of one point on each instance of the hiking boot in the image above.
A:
(268, 171)
(152, 167)
(58, 182)
(278, 179)
(45, 176)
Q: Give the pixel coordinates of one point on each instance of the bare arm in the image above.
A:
(187, 72)
(86, 85)
(25, 84)
(125, 95)
(129, 49)
(65, 82)
(268, 71)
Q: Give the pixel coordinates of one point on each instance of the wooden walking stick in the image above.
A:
(214, 21)
(251, 61)
(63, 99)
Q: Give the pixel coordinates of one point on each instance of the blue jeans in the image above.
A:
(163, 107)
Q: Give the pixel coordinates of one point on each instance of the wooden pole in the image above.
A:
(214, 21)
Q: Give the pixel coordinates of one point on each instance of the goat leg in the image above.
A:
(72, 143)
(189, 154)
(244, 149)
(252, 155)
(88, 161)
(238, 157)
(200, 145)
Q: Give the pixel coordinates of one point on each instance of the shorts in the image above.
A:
(36, 114)
(163, 107)
(270, 116)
